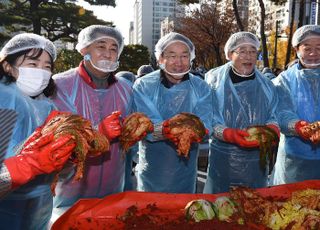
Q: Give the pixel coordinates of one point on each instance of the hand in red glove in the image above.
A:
(37, 132)
(173, 137)
(53, 114)
(274, 128)
(44, 155)
(199, 140)
(298, 127)
(166, 132)
(237, 136)
(110, 125)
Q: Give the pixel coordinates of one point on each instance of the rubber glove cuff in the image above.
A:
(19, 176)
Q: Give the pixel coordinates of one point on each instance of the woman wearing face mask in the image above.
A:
(26, 64)
(299, 90)
(242, 97)
(161, 95)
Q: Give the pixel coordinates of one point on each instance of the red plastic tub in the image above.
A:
(104, 213)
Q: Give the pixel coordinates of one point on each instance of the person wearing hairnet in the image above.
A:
(243, 97)
(161, 95)
(299, 87)
(143, 70)
(126, 75)
(26, 63)
(92, 91)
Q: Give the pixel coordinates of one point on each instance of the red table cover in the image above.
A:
(104, 213)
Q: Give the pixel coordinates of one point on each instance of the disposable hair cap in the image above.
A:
(127, 75)
(305, 32)
(144, 69)
(27, 41)
(240, 38)
(94, 33)
(170, 38)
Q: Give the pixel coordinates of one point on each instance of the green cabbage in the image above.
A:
(198, 210)
(225, 208)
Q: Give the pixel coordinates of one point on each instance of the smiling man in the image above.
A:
(242, 97)
(93, 91)
(161, 95)
(299, 87)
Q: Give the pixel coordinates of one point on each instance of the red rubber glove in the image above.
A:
(111, 126)
(300, 124)
(166, 132)
(237, 136)
(44, 155)
(37, 132)
(199, 140)
(53, 114)
(275, 128)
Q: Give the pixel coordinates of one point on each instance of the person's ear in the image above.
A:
(161, 60)
(84, 51)
(7, 67)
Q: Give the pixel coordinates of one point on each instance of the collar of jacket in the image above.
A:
(86, 77)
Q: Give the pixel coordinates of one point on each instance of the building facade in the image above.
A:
(148, 15)
(281, 15)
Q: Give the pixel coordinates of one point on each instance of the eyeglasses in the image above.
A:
(308, 50)
(245, 53)
(173, 57)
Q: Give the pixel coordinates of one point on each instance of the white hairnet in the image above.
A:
(127, 75)
(27, 41)
(305, 32)
(144, 69)
(93, 33)
(240, 38)
(168, 39)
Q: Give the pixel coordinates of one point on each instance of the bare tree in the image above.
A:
(291, 28)
(236, 14)
(209, 29)
(262, 34)
(301, 12)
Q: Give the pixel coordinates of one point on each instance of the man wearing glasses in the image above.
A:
(242, 97)
(161, 95)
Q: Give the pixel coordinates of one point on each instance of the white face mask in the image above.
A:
(307, 65)
(32, 81)
(242, 73)
(176, 76)
(104, 66)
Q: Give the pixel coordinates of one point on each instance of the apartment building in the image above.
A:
(148, 15)
(281, 14)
